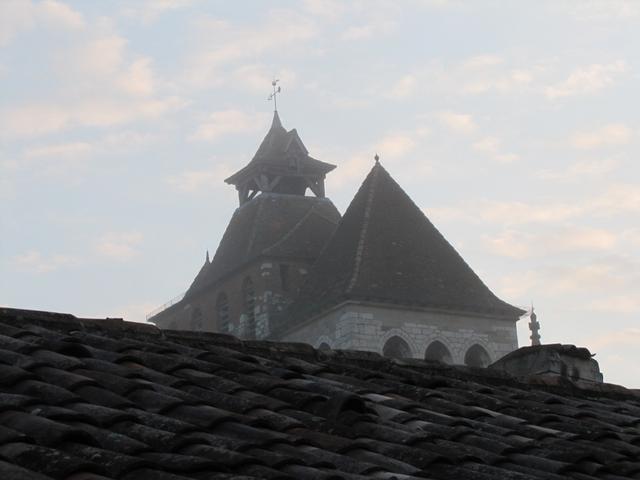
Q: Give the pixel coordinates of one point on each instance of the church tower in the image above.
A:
(273, 238)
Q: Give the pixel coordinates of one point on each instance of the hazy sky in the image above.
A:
(514, 125)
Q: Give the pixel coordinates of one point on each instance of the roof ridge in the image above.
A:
(363, 232)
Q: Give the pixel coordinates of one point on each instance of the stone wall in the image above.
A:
(275, 282)
(370, 327)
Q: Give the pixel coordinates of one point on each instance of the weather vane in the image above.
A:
(276, 91)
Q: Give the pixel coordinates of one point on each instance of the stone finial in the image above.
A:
(377, 158)
(207, 259)
(534, 326)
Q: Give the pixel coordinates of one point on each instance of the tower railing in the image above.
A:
(164, 306)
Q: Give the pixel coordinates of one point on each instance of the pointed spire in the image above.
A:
(534, 326)
(207, 259)
(276, 123)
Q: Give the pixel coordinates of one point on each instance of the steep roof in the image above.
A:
(385, 249)
(107, 399)
(277, 150)
(276, 225)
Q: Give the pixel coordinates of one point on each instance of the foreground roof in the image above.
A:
(287, 226)
(96, 399)
(385, 249)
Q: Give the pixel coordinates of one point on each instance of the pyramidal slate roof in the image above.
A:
(277, 225)
(90, 399)
(277, 149)
(386, 250)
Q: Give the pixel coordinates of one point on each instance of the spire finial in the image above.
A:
(207, 259)
(534, 326)
(276, 91)
(377, 158)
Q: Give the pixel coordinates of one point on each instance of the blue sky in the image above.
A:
(514, 125)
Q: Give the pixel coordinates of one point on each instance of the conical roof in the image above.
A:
(277, 226)
(386, 250)
(278, 151)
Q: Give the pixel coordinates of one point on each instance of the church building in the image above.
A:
(380, 278)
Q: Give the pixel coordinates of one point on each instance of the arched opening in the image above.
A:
(438, 352)
(477, 356)
(197, 321)
(249, 295)
(222, 313)
(396, 347)
(324, 346)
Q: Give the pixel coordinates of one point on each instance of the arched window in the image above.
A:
(438, 352)
(396, 347)
(196, 319)
(222, 313)
(249, 295)
(477, 356)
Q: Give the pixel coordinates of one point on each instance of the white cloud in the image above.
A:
(119, 245)
(38, 119)
(193, 181)
(404, 87)
(34, 261)
(491, 146)
(523, 244)
(66, 150)
(586, 80)
(458, 122)
(621, 304)
(226, 43)
(60, 15)
(17, 16)
(229, 122)
(580, 170)
(609, 135)
(149, 11)
(395, 145)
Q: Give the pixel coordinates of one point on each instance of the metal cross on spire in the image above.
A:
(276, 91)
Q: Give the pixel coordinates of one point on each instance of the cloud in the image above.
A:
(580, 170)
(458, 122)
(226, 43)
(229, 122)
(34, 261)
(508, 213)
(599, 10)
(598, 279)
(193, 181)
(404, 87)
(119, 245)
(59, 150)
(586, 80)
(622, 304)
(17, 16)
(491, 147)
(38, 119)
(150, 10)
(519, 244)
(395, 145)
(60, 15)
(609, 135)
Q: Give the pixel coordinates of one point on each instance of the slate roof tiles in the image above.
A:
(106, 399)
(386, 250)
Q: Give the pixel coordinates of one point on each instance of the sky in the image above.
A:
(514, 125)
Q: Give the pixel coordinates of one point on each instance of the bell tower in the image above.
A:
(281, 165)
